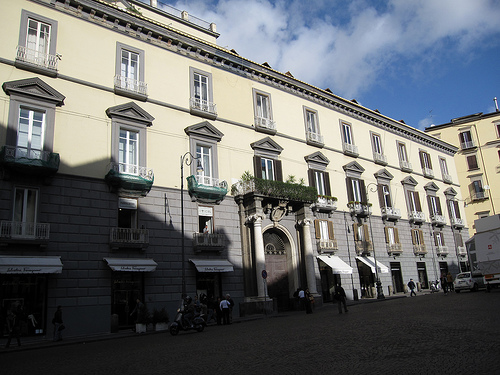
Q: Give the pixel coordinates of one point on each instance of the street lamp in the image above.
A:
(380, 292)
(187, 159)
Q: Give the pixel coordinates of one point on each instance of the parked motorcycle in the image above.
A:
(180, 323)
(434, 286)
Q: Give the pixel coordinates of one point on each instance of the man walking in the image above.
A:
(411, 285)
(340, 297)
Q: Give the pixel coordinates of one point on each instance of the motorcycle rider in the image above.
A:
(188, 311)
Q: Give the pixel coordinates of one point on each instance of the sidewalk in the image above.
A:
(38, 342)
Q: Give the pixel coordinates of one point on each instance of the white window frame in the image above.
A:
(126, 84)
(434, 205)
(403, 155)
(319, 179)
(412, 201)
(356, 190)
(263, 105)
(268, 170)
(377, 144)
(204, 155)
(386, 194)
(201, 93)
(391, 236)
(347, 133)
(323, 229)
(126, 165)
(32, 151)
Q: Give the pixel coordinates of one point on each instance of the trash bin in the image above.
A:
(114, 323)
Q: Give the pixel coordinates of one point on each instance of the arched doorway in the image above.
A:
(277, 249)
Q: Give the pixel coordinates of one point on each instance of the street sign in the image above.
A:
(264, 274)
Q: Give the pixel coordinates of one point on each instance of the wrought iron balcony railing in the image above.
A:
(350, 149)
(34, 57)
(457, 223)
(438, 220)
(208, 241)
(314, 138)
(132, 85)
(394, 249)
(203, 106)
(416, 217)
(266, 124)
(390, 213)
(380, 158)
(326, 246)
(442, 250)
(419, 249)
(359, 209)
(15, 231)
(363, 247)
(129, 237)
(428, 172)
(405, 166)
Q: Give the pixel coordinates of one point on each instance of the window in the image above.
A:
(324, 230)
(403, 157)
(476, 190)
(267, 166)
(129, 72)
(391, 236)
(24, 215)
(263, 112)
(356, 190)
(313, 135)
(37, 44)
(466, 139)
(205, 219)
(384, 196)
(201, 102)
(444, 170)
(346, 133)
(127, 213)
(30, 133)
(454, 209)
(128, 151)
(425, 162)
(320, 180)
(361, 232)
(377, 144)
(417, 236)
(438, 239)
(347, 139)
(263, 106)
(414, 201)
(434, 205)
(497, 127)
(472, 162)
(266, 163)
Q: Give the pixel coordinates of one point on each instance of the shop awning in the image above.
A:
(370, 262)
(212, 265)
(30, 265)
(131, 265)
(336, 264)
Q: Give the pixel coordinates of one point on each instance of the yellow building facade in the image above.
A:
(142, 160)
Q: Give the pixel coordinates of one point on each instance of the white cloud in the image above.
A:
(350, 49)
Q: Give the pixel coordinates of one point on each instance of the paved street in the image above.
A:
(435, 334)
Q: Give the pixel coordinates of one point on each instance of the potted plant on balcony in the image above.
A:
(160, 319)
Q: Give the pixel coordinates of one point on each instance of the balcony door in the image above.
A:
(128, 152)
(25, 203)
(30, 133)
(38, 37)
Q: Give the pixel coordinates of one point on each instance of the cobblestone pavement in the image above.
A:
(428, 334)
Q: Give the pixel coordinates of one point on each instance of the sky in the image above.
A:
(421, 61)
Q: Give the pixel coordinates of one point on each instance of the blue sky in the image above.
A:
(422, 61)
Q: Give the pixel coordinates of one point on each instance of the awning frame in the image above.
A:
(336, 264)
(131, 264)
(30, 264)
(212, 265)
(370, 262)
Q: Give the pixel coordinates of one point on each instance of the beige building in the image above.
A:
(141, 160)
(477, 138)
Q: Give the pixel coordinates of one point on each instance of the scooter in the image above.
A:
(180, 323)
(434, 286)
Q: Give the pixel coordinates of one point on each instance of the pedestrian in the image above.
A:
(411, 285)
(231, 304)
(339, 296)
(449, 281)
(307, 301)
(302, 299)
(444, 283)
(218, 311)
(14, 319)
(225, 306)
(57, 321)
(138, 311)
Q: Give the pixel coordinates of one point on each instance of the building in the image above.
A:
(477, 138)
(141, 160)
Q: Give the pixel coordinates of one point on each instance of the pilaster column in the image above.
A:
(308, 255)
(260, 257)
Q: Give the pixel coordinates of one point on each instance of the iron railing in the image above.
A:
(37, 58)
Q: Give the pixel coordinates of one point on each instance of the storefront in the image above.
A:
(208, 276)
(367, 274)
(331, 267)
(23, 282)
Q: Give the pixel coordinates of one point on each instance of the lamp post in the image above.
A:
(187, 159)
(380, 292)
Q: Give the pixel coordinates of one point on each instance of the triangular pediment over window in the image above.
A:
(132, 112)
(354, 167)
(204, 130)
(383, 174)
(317, 157)
(431, 186)
(267, 145)
(450, 192)
(34, 88)
(409, 181)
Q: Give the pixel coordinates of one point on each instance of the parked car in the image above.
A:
(468, 281)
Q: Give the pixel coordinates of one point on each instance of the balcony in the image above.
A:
(206, 189)
(327, 246)
(390, 213)
(129, 180)
(442, 251)
(29, 161)
(380, 158)
(203, 242)
(457, 223)
(405, 166)
(478, 196)
(447, 178)
(467, 145)
(394, 249)
(130, 87)
(419, 249)
(36, 61)
(416, 217)
(325, 204)
(265, 125)
(363, 247)
(359, 209)
(129, 238)
(14, 232)
(314, 139)
(350, 149)
(438, 220)
(428, 172)
(203, 108)
(461, 251)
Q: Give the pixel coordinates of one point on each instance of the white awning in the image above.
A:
(370, 262)
(336, 264)
(30, 265)
(212, 265)
(131, 265)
